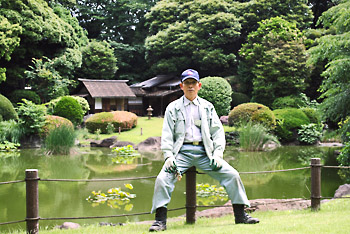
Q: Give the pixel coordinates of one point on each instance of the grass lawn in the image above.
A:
(150, 128)
(332, 218)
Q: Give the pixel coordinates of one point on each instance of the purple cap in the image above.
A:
(189, 73)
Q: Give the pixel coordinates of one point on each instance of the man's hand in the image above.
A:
(170, 165)
(215, 163)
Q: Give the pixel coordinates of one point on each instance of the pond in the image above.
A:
(68, 199)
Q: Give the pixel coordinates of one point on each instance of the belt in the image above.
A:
(194, 143)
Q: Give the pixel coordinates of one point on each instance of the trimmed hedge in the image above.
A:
(82, 102)
(123, 119)
(218, 91)
(68, 107)
(7, 111)
(289, 120)
(19, 94)
(254, 112)
(52, 122)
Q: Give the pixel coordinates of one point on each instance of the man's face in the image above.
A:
(190, 87)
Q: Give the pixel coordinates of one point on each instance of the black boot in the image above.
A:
(160, 223)
(241, 216)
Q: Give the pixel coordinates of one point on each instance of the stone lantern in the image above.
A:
(149, 111)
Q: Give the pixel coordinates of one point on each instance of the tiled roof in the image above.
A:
(108, 88)
(158, 81)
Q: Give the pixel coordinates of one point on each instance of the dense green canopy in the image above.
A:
(334, 49)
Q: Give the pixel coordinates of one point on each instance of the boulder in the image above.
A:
(107, 142)
(343, 190)
(122, 144)
(150, 144)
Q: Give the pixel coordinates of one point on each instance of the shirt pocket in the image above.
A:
(179, 124)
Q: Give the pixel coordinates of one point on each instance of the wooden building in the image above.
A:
(106, 95)
(156, 92)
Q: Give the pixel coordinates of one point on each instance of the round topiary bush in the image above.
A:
(289, 120)
(218, 91)
(82, 102)
(52, 122)
(69, 108)
(254, 112)
(7, 111)
(19, 94)
(123, 119)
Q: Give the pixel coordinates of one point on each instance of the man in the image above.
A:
(193, 135)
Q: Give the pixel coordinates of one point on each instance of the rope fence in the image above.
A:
(32, 193)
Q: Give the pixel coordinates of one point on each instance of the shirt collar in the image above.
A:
(195, 101)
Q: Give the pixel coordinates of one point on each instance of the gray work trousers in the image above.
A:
(191, 155)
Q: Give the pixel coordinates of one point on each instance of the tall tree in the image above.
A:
(46, 31)
(333, 49)
(198, 34)
(276, 55)
(123, 24)
(296, 11)
(117, 20)
(9, 40)
(98, 61)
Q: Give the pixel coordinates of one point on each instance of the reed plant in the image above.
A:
(253, 136)
(60, 140)
(10, 131)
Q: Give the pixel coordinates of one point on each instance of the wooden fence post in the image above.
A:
(315, 184)
(191, 203)
(32, 201)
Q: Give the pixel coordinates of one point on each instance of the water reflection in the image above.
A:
(68, 199)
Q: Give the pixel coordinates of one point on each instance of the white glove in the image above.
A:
(170, 165)
(215, 163)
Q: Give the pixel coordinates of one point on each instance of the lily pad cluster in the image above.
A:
(115, 198)
(210, 194)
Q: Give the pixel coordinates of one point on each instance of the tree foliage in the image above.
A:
(46, 31)
(334, 49)
(46, 81)
(9, 40)
(293, 11)
(276, 56)
(98, 61)
(195, 33)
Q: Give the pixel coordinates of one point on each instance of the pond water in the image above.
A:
(68, 199)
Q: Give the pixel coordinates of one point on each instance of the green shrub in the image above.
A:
(10, 131)
(69, 108)
(310, 133)
(253, 136)
(289, 120)
(19, 94)
(31, 117)
(239, 98)
(123, 119)
(218, 91)
(312, 114)
(7, 111)
(82, 102)
(287, 102)
(254, 112)
(60, 140)
(52, 122)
